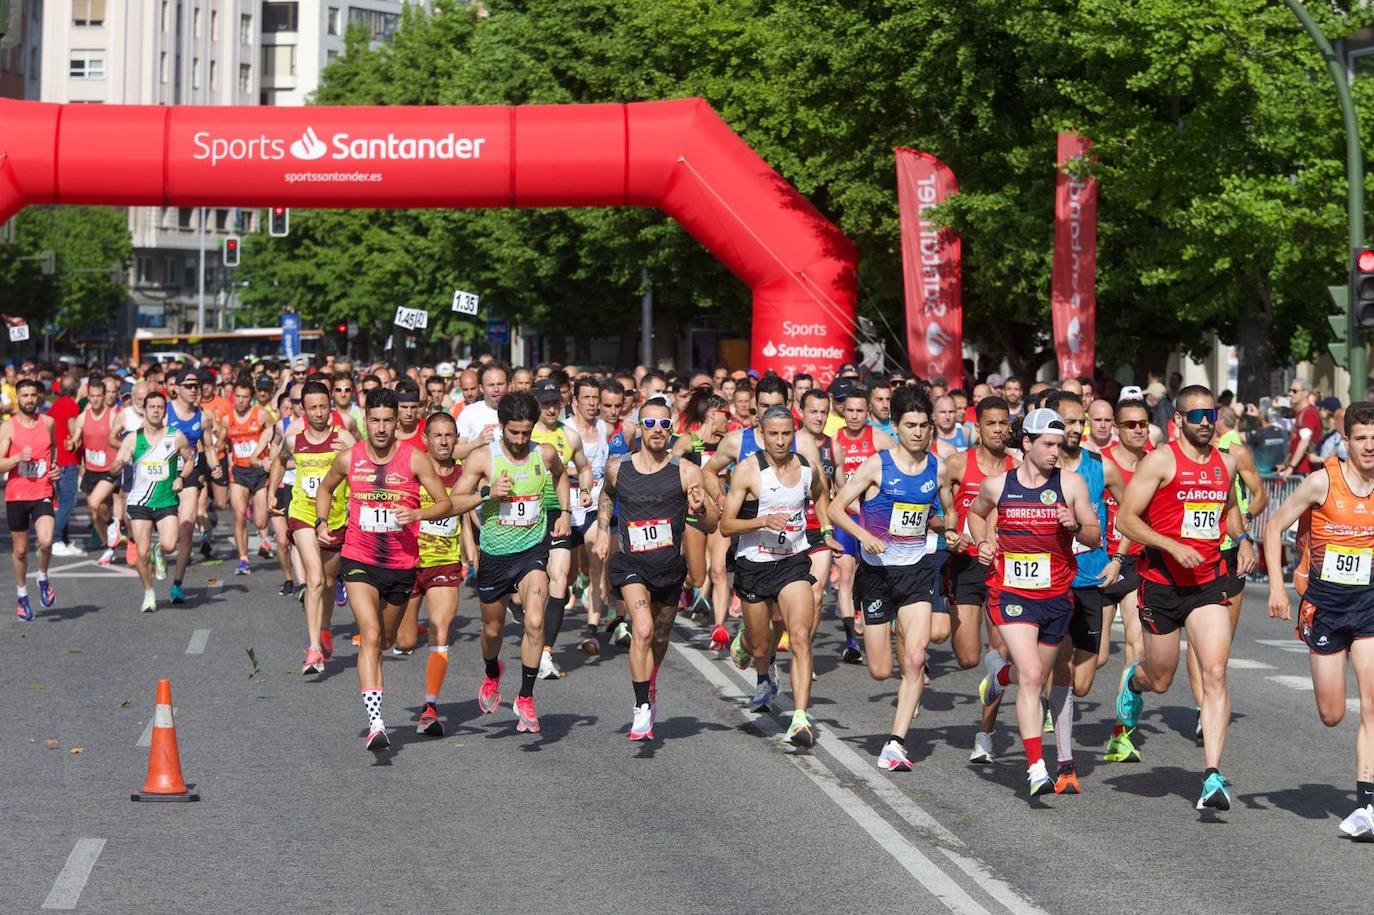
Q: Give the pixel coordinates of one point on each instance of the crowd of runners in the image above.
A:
(1014, 522)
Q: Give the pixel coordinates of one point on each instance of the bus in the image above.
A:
(232, 345)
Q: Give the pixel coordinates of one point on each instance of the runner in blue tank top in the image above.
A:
(900, 491)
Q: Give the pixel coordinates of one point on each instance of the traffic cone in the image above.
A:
(164, 781)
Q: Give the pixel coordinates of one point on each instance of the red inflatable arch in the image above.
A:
(678, 156)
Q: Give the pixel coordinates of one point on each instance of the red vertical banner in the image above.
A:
(931, 269)
(1073, 278)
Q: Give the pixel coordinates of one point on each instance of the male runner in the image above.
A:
(593, 434)
(28, 443)
(249, 432)
(965, 577)
(185, 416)
(655, 496)
(381, 546)
(1040, 510)
(1179, 504)
(852, 444)
(949, 432)
(1334, 507)
(880, 408)
(815, 407)
(514, 552)
(1101, 427)
(98, 439)
(895, 583)
(766, 509)
(312, 443)
(162, 462)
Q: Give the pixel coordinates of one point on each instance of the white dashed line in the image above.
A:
(198, 640)
(66, 889)
(1293, 646)
(1243, 664)
(1300, 683)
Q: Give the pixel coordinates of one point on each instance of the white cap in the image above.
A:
(445, 370)
(1131, 392)
(300, 363)
(1042, 421)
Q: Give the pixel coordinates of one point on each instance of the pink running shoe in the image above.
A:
(489, 696)
(314, 662)
(529, 718)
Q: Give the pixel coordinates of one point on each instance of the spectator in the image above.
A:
(1333, 418)
(1307, 430)
(1269, 443)
(64, 411)
(1161, 406)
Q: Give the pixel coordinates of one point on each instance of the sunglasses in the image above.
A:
(651, 423)
(1202, 413)
(1134, 424)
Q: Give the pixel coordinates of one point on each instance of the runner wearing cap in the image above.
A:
(550, 430)
(185, 415)
(1334, 510)
(410, 422)
(1179, 504)
(1041, 511)
(28, 454)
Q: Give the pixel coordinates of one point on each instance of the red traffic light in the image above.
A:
(1364, 261)
(277, 211)
(231, 244)
(341, 328)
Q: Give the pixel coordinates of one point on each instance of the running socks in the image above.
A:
(848, 624)
(176, 582)
(372, 702)
(1004, 675)
(1034, 751)
(553, 617)
(1364, 793)
(435, 668)
(1130, 684)
(493, 667)
(641, 692)
(527, 677)
(899, 741)
(21, 591)
(1061, 708)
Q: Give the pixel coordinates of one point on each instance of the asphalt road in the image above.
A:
(716, 815)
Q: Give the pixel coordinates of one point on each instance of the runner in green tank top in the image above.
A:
(513, 555)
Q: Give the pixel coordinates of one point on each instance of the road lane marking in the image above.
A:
(66, 889)
(902, 805)
(1290, 645)
(198, 640)
(1243, 664)
(1292, 682)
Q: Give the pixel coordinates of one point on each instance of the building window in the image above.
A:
(195, 72)
(88, 12)
(222, 220)
(144, 271)
(279, 17)
(278, 61)
(330, 57)
(186, 218)
(246, 28)
(214, 77)
(190, 273)
(335, 23)
(214, 25)
(169, 272)
(87, 65)
(245, 79)
(195, 22)
(162, 66)
(166, 19)
(380, 26)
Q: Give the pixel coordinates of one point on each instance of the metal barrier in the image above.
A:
(1278, 491)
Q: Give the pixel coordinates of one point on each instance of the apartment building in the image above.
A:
(300, 39)
(19, 66)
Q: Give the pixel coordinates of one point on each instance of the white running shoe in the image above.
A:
(1360, 824)
(548, 667)
(982, 748)
(106, 558)
(642, 728)
(159, 563)
(1040, 781)
(762, 696)
(67, 549)
(149, 601)
(894, 758)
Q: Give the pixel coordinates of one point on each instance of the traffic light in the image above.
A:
(341, 335)
(279, 222)
(1362, 288)
(231, 251)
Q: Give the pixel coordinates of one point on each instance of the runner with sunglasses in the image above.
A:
(1179, 504)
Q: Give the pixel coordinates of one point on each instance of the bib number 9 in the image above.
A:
(519, 511)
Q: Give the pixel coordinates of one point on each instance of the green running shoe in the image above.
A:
(739, 654)
(1120, 748)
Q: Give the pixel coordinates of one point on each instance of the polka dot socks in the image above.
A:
(372, 702)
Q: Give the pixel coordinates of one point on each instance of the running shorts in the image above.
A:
(1332, 631)
(498, 576)
(1049, 614)
(880, 591)
(1164, 608)
(21, 514)
(142, 513)
(1085, 626)
(966, 580)
(760, 581)
(448, 575)
(250, 478)
(392, 585)
(90, 479)
(1127, 583)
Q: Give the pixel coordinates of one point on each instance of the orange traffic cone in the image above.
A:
(164, 781)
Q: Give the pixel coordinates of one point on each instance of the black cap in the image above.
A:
(840, 387)
(265, 383)
(206, 376)
(546, 390)
(189, 376)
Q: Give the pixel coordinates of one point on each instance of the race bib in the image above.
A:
(519, 511)
(95, 457)
(311, 485)
(157, 471)
(378, 519)
(1029, 571)
(245, 449)
(1345, 565)
(444, 527)
(33, 469)
(782, 542)
(649, 535)
(908, 519)
(1201, 521)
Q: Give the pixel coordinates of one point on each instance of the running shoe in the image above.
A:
(314, 662)
(785, 643)
(243, 568)
(517, 612)
(264, 550)
(773, 682)
(621, 634)
(1128, 701)
(893, 758)
(206, 550)
(401, 652)
(590, 644)
(852, 653)
(377, 741)
(739, 652)
(300, 595)
(489, 696)
(67, 550)
(178, 596)
(429, 722)
(149, 601)
(288, 588)
(1039, 778)
(106, 558)
(357, 638)
(23, 610)
(1197, 724)
(720, 637)
(763, 695)
(801, 733)
(1066, 780)
(340, 593)
(1049, 721)
(46, 595)
(327, 643)
(1214, 794)
(1360, 824)
(1120, 748)
(701, 607)
(548, 667)
(529, 718)
(159, 563)
(642, 727)
(131, 554)
(989, 689)
(982, 748)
